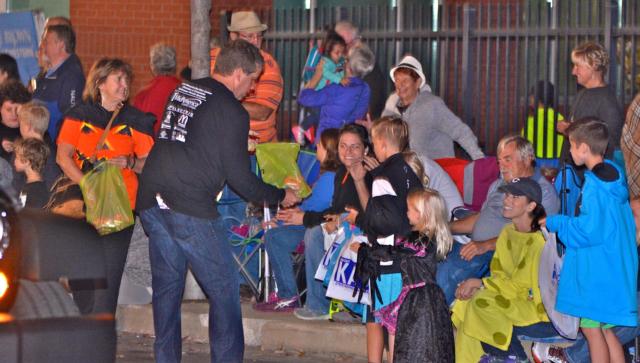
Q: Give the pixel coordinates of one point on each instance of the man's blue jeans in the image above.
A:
(454, 270)
(280, 242)
(313, 253)
(176, 240)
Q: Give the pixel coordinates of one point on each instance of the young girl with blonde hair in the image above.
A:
(418, 319)
(423, 324)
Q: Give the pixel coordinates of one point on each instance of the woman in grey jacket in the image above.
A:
(432, 126)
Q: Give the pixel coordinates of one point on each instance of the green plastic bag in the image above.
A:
(106, 199)
(278, 166)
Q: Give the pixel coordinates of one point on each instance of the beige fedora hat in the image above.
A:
(246, 21)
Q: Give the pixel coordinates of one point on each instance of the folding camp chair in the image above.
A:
(249, 253)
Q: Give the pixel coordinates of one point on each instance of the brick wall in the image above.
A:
(126, 29)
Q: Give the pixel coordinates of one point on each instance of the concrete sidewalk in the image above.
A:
(269, 331)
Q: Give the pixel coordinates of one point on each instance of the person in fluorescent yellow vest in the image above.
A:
(540, 127)
(486, 310)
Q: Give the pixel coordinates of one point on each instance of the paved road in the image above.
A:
(134, 348)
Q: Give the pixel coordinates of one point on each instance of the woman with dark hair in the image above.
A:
(281, 241)
(127, 145)
(12, 95)
(353, 146)
(487, 310)
(8, 69)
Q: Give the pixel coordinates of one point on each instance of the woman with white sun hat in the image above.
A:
(432, 126)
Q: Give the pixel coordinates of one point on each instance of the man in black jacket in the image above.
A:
(201, 145)
(61, 86)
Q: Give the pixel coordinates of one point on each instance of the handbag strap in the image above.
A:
(105, 133)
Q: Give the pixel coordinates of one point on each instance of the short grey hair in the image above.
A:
(346, 26)
(523, 146)
(361, 61)
(163, 59)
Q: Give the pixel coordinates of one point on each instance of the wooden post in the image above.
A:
(200, 32)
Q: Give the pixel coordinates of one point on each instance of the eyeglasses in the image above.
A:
(250, 36)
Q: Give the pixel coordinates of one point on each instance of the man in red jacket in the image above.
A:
(153, 97)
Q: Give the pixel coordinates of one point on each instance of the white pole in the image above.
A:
(313, 4)
(554, 44)
(267, 272)
(399, 21)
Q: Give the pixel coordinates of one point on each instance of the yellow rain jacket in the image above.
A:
(511, 296)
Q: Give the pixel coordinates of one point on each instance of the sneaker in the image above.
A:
(488, 358)
(278, 306)
(540, 352)
(556, 355)
(307, 314)
(346, 317)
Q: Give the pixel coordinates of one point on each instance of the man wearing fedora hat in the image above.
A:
(263, 100)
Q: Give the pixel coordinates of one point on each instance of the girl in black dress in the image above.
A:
(423, 327)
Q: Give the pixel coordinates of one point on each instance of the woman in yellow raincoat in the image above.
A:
(486, 310)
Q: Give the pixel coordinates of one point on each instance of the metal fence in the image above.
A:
(482, 59)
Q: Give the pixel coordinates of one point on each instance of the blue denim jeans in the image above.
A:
(280, 243)
(313, 252)
(175, 241)
(454, 270)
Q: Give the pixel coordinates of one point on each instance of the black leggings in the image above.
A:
(105, 300)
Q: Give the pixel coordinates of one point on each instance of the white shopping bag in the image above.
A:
(330, 237)
(331, 241)
(342, 284)
(548, 279)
